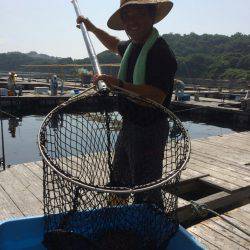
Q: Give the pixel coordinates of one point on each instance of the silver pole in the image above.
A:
(91, 52)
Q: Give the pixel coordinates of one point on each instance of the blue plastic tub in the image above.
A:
(76, 91)
(183, 97)
(27, 234)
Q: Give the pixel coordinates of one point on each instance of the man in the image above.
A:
(54, 85)
(12, 83)
(179, 87)
(147, 68)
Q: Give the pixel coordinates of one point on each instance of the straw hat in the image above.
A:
(163, 8)
(12, 73)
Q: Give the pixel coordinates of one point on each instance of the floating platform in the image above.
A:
(218, 175)
(224, 112)
(31, 102)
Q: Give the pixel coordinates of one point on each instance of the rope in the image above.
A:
(202, 210)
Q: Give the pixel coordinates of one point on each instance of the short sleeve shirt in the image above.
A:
(161, 66)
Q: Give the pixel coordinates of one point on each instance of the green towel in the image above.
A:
(140, 66)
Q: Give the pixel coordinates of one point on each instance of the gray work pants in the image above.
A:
(139, 153)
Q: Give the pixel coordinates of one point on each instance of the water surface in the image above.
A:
(20, 136)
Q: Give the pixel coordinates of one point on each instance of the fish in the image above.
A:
(63, 240)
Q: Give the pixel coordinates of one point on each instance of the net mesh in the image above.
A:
(112, 164)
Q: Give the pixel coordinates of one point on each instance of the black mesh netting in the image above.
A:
(112, 163)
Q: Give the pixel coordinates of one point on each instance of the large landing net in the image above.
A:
(112, 163)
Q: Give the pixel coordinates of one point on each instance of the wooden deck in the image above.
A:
(220, 161)
(226, 159)
(215, 233)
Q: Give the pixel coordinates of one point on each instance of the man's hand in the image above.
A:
(144, 90)
(110, 42)
(108, 79)
(89, 25)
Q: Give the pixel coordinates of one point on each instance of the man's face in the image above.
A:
(137, 22)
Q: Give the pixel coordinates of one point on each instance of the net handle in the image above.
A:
(90, 48)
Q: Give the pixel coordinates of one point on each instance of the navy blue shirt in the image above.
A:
(161, 66)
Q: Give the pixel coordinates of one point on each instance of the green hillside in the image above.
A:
(198, 56)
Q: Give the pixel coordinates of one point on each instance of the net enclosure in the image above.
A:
(112, 164)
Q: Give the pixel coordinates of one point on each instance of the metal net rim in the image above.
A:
(117, 190)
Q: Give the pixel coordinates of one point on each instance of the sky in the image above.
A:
(48, 26)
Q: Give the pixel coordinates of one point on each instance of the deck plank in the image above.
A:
(213, 237)
(8, 207)
(241, 217)
(26, 202)
(218, 160)
(222, 156)
(202, 239)
(221, 175)
(225, 144)
(35, 168)
(227, 233)
(222, 184)
(29, 180)
(228, 171)
(233, 169)
(182, 202)
(236, 144)
(218, 232)
(226, 226)
(190, 173)
(230, 153)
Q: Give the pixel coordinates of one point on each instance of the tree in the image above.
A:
(201, 56)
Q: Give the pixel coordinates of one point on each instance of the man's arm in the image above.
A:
(110, 42)
(147, 91)
(144, 90)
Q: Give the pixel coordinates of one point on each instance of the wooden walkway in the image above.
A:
(215, 233)
(226, 160)
(220, 161)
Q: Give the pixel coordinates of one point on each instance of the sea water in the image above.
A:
(21, 143)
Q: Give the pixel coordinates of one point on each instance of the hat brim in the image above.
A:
(163, 8)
